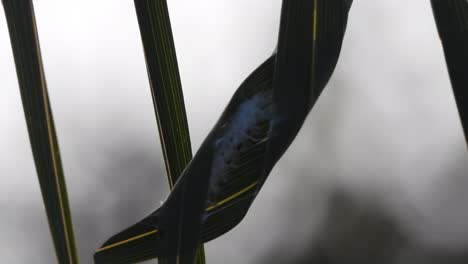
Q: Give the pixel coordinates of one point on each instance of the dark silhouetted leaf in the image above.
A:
(166, 89)
(452, 22)
(37, 110)
(218, 186)
(141, 241)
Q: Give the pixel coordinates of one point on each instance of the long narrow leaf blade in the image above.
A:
(322, 27)
(309, 44)
(166, 89)
(142, 240)
(39, 120)
(452, 22)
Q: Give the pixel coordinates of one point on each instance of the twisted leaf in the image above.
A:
(218, 186)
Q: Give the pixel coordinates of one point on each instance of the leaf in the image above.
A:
(141, 241)
(310, 39)
(168, 100)
(166, 88)
(309, 44)
(451, 17)
(313, 25)
(240, 179)
(39, 120)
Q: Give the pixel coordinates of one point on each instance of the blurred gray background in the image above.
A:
(378, 174)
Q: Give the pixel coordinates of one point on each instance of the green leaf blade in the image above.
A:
(39, 120)
(168, 100)
(326, 22)
(166, 89)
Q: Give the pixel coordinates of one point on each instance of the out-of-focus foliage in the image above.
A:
(359, 231)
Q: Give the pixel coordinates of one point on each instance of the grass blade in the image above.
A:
(166, 89)
(141, 241)
(39, 120)
(309, 44)
(452, 22)
(323, 19)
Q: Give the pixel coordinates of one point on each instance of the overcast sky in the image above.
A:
(385, 129)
